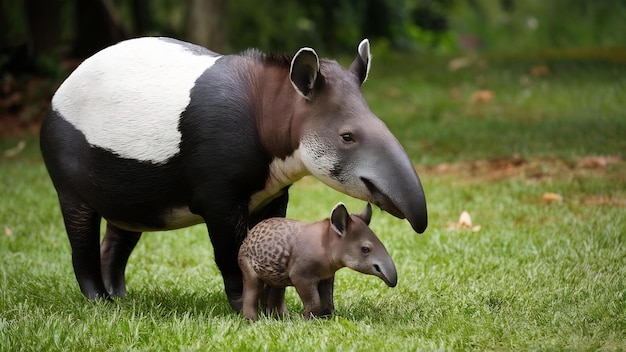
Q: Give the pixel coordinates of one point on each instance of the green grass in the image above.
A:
(536, 276)
(575, 110)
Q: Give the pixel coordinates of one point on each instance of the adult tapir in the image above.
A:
(158, 134)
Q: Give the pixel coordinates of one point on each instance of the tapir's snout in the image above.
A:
(409, 203)
(393, 185)
(386, 271)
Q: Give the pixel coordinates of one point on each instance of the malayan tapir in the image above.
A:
(158, 134)
(281, 252)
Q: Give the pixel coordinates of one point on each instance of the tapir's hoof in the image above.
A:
(326, 313)
(94, 294)
(100, 297)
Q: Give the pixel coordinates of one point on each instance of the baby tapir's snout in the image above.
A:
(281, 252)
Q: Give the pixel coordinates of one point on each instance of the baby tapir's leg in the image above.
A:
(252, 291)
(325, 289)
(274, 301)
(310, 296)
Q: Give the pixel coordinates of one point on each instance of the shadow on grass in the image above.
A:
(175, 302)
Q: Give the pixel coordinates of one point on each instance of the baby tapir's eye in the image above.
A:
(365, 249)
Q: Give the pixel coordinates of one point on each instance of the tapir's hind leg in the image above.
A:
(116, 248)
(83, 229)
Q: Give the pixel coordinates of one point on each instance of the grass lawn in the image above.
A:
(542, 272)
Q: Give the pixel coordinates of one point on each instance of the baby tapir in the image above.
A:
(281, 252)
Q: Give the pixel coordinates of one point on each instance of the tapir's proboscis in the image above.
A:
(158, 134)
(281, 252)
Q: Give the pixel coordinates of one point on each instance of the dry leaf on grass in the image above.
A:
(539, 71)
(7, 231)
(549, 197)
(460, 62)
(465, 222)
(482, 96)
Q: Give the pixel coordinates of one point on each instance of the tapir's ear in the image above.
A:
(366, 215)
(361, 64)
(339, 219)
(305, 67)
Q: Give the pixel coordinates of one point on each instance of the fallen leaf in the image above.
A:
(539, 70)
(549, 197)
(465, 222)
(460, 62)
(7, 231)
(482, 96)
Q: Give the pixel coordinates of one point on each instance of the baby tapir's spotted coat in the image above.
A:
(271, 248)
(281, 252)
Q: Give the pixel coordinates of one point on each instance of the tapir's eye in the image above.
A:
(365, 249)
(347, 137)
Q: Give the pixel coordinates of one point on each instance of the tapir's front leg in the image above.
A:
(227, 230)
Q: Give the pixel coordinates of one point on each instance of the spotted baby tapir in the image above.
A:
(281, 252)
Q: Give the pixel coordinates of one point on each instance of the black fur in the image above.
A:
(100, 178)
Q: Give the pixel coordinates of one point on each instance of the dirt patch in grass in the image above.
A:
(608, 171)
(536, 168)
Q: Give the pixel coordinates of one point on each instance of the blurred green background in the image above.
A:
(38, 32)
(41, 41)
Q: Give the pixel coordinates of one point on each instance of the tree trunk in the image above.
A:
(43, 20)
(97, 26)
(205, 25)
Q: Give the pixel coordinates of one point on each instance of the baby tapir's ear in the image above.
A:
(366, 215)
(340, 219)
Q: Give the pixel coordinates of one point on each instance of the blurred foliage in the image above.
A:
(36, 34)
(336, 26)
(538, 25)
